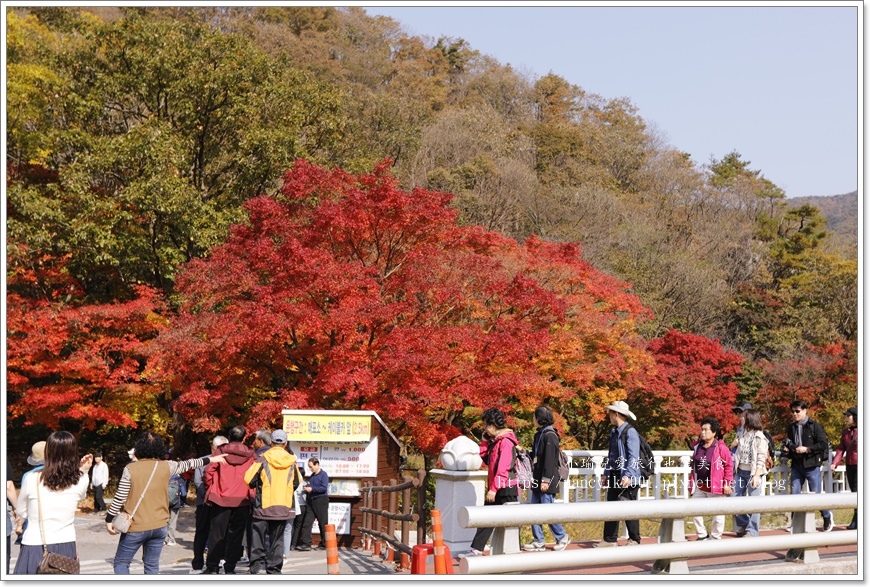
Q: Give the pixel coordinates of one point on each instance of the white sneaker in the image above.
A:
(534, 547)
(244, 559)
(470, 553)
(197, 571)
(563, 544)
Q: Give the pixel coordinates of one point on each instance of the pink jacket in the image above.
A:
(848, 445)
(721, 469)
(498, 456)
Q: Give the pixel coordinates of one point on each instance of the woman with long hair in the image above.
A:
(750, 470)
(55, 491)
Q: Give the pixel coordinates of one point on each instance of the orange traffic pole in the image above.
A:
(438, 542)
(331, 551)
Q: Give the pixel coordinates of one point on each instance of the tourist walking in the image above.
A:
(99, 481)
(622, 476)
(711, 476)
(807, 447)
(49, 499)
(545, 477)
(274, 477)
(228, 497)
(750, 470)
(496, 449)
(142, 493)
(849, 449)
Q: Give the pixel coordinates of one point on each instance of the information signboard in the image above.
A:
(327, 427)
(339, 516)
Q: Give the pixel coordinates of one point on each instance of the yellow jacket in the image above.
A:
(273, 474)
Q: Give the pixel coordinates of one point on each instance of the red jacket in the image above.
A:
(226, 481)
(849, 445)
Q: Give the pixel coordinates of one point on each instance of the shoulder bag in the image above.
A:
(124, 520)
(53, 563)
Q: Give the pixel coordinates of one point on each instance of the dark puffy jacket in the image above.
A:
(226, 481)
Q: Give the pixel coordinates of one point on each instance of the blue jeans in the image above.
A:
(812, 476)
(741, 488)
(151, 542)
(537, 530)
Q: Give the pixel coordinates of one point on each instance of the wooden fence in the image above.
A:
(379, 525)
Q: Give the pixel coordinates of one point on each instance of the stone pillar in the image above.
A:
(453, 490)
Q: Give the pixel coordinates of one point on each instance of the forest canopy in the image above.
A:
(307, 207)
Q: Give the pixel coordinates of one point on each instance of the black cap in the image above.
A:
(851, 412)
(742, 407)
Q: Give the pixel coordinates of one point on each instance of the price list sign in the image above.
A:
(353, 459)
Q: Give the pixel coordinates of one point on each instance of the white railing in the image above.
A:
(671, 553)
(671, 477)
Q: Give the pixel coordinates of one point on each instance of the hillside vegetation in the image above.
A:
(842, 214)
(144, 143)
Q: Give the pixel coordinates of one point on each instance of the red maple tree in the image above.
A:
(692, 379)
(71, 364)
(347, 292)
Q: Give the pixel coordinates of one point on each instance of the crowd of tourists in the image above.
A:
(718, 469)
(255, 499)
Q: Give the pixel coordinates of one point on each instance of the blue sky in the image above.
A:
(779, 85)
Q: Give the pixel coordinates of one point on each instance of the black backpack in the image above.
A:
(646, 463)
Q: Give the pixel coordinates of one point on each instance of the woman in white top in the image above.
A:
(749, 470)
(58, 489)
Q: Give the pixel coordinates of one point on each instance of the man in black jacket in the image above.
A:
(545, 485)
(807, 447)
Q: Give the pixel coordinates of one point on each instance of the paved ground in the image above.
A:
(96, 549)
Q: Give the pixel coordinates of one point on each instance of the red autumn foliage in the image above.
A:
(72, 362)
(692, 379)
(825, 377)
(347, 292)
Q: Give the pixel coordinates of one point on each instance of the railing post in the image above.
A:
(421, 507)
(378, 525)
(803, 523)
(505, 540)
(391, 524)
(406, 533)
(365, 517)
(672, 530)
(597, 472)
